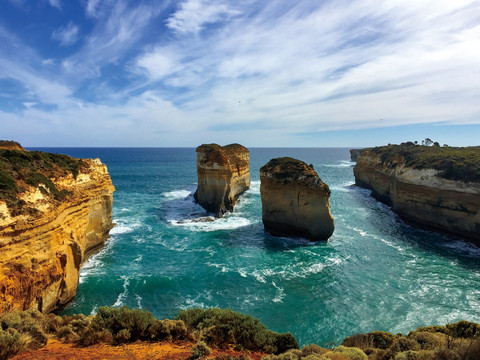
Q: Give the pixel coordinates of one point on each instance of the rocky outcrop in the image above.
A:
(422, 196)
(223, 174)
(10, 145)
(54, 212)
(295, 201)
(355, 153)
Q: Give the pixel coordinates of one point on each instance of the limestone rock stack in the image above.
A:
(49, 224)
(223, 174)
(295, 201)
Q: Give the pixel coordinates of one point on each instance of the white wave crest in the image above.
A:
(123, 295)
(225, 223)
(177, 194)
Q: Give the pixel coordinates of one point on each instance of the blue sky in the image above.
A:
(261, 73)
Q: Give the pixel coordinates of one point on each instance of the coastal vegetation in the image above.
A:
(20, 168)
(209, 329)
(453, 163)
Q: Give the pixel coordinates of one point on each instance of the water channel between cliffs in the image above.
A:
(375, 273)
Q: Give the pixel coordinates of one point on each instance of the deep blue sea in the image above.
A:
(375, 272)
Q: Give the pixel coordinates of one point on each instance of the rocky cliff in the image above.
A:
(431, 187)
(295, 201)
(54, 212)
(223, 174)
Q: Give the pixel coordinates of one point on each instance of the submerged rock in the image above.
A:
(223, 174)
(295, 201)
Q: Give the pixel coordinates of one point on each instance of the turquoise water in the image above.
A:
(375, 273)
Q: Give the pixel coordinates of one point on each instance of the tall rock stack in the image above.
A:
(223, 174)
(54, 212)
(295, 201)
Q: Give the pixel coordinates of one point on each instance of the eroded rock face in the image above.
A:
(10, 145)
(421, 197)
(43, 246)
(295, 201)
(223, 174)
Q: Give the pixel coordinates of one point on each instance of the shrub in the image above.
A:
(168, 330)
(381, 339)
(428, 340)
(223, 327)
(92, 337)
(10, 343)
(28, 323)
(473, 351)
(404, 344)
(200, 350)
(362, 341)
(407, 355)
(313, 349)
(114, 320)
(123, 336)
(232, 357)
(350, 353)
(464, 329)
(446, 354)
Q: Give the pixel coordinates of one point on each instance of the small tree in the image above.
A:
(428, 142)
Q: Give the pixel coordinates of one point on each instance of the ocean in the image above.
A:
(375, 272)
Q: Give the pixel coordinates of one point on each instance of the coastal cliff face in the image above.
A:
(223, 174)
(295, 201)
(422, 196)
(55, 211)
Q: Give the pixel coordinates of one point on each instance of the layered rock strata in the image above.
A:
(422, 196)
(223, 174)
(295, 201)
(61, 220)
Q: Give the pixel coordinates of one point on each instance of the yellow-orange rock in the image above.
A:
(42, 249)
(420, 196)
(295, 201)
(223, 174)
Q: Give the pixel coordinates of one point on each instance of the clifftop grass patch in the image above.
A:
(453, 163)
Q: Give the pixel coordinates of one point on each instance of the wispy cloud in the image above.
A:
(66, 35)
(193, 15)
(182, 73)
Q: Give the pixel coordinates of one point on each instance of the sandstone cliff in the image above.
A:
(223, 174)
(295, 201)
(54, 212)
(425, 187)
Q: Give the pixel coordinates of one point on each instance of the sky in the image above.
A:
(277, 73)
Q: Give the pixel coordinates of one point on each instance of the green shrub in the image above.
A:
(232, 357)
(168, 330)
(221, 327)
(114, 320)
(404, 344)
(91, 337)
(123, 336)
(464, 329)
(407, 355)
(473, 351)
(362, 341)
(350, 353)
(313, 349)
(428, 340)
(446, 354)
(315, 357)
(200, 350)
(28, 322)
(11, 343)
(381, 339)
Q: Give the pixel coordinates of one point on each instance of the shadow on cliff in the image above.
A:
(386, 222)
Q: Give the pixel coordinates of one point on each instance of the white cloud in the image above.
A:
(66, 35)
(159, 63)
(92, 7)
(55, 3)
(192, 15)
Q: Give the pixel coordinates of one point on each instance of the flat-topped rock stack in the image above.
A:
(223, 174)
(295, 201)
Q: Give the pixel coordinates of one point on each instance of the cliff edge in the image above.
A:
(295, 201)
(436, 188)
(223, 174)
(54, 212)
